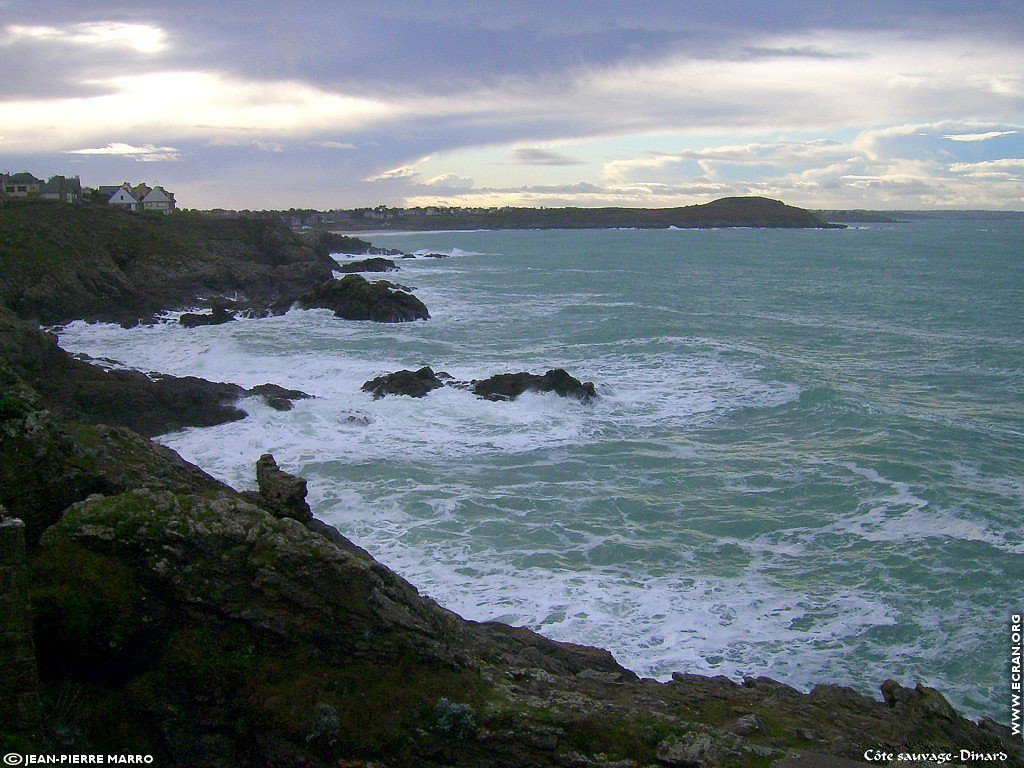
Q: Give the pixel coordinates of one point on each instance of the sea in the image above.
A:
(805, 460)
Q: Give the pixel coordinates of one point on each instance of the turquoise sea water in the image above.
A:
(806, 461)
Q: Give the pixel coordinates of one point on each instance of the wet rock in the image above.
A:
(355, 298)
(508, 386)
(281, 493)
(376, 264)
(405, 382)
(277, 397)
(218, 316)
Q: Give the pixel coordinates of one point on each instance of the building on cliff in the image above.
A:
(62, 188)
(140, 197)
(19, 184)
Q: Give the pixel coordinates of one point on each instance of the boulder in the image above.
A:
(376, 264)
(508, 386)
(405, 382)
(355, 298)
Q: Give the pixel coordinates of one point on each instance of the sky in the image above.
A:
(324, 104)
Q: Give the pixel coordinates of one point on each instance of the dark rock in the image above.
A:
(354, 298)
(508, 386)
(281, 493)
(404, 382)
(149, 405)
(434, 255)
(330, 242)
(277, 397)
(920, 699)
(692, 750)
(376, 264)
(218, 316)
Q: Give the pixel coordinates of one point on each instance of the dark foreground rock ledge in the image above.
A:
(176, 617)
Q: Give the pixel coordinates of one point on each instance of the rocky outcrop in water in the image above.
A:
(277, 397)
(509, 386)
(218, 315)
(330, 242)
(148, 404)
(502, 386)
(404, 382)
(355, 298)
(376, 264)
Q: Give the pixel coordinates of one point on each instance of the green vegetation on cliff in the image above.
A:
(62, 262)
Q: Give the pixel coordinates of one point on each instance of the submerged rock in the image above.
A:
(404, 382)
(508, 386)
(376, 264)
(355, 298)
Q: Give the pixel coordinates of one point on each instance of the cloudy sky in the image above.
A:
(334, 103)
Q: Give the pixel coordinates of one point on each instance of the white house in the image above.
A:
(141, 198)
(124, 198)
(158, 199)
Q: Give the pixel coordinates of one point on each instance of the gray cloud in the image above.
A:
(534, 156)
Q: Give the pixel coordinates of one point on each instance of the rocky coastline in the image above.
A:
(148, 608)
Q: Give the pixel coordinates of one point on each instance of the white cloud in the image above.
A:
(144, 153)
(188, 105)
(1005, 168)
(452, 180)
(142, 38)
(402, 172)
(978, 136)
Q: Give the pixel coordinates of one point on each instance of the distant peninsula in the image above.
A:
(759, 212)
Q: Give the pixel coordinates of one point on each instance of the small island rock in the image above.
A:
(508, 386)
(376, 264)
(405, 382)
(355, 298)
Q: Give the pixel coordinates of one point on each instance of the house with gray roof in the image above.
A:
(19, 184)
(140, 197)
(62, 188)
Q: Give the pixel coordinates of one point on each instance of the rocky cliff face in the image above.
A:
(173, 616)
(60, 263)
